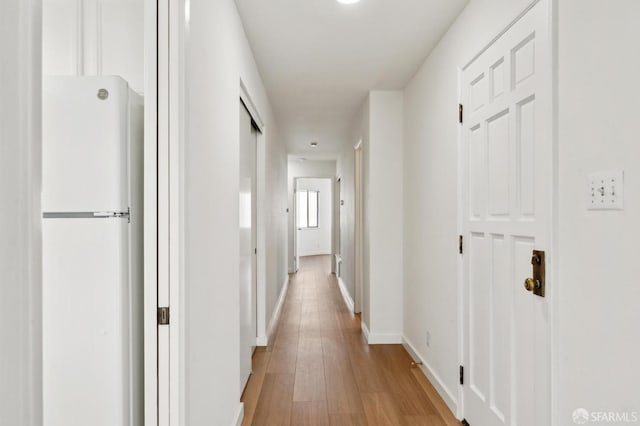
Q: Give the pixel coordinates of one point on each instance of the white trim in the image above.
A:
(150, 214)
(264, 339)
(251, 106)
(358, 156)
(261, 245)
(365, 330)
(240, 415)
(433, 378)
(345, 294)
(385, 338)
(178, 32)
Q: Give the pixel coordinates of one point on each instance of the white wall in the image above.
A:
(302, 169)
(384, 202)
(317, 241)
(430, 189)
(94, 37)
(380, 128)
(20, 214)
(217, 56)
(598, 306)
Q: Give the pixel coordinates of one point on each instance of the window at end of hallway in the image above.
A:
(307, 209)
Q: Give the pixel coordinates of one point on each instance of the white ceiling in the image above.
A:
(319, 59)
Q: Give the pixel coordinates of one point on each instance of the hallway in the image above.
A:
(319, 369)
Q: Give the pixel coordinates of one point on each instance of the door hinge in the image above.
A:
(460, 244)
(461, 375)
(460, 113)
(163, 316)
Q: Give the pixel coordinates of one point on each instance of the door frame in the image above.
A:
(295, 220)
(551, 253)
(359, 222)
(261, 263)
(336, 260)
(152, 28)
(166, 30)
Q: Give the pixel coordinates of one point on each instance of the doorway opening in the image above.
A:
(248, 227)
(313, 217)
(359, 214)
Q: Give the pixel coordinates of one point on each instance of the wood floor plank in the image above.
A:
(319, 369)
(381, 409)
(276, 401)
(309, 381)
(348, 419)
(254, 386)
(343, 395)
(430, 420)
(441, 407)
(397, 372)
(310, 414)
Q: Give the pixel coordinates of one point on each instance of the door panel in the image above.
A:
(507, 193)
(247, 229)
(86, 328)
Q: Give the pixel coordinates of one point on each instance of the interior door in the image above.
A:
(506, 214)
(247, 224)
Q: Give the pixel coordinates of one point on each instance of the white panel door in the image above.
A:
(247, 223)
(506, 213)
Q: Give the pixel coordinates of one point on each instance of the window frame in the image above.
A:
(317, 209)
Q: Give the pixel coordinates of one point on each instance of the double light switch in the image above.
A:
(605, 190)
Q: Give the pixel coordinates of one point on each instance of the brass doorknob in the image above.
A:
(529, 284)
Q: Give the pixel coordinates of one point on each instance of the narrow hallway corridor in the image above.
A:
(319, 369)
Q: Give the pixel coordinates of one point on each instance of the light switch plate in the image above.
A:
(605, 190)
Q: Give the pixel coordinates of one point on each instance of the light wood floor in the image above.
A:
(319, 370)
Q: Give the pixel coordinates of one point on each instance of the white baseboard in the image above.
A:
(273, 323)
(435, 380)
(365, 330)
(240, 415)
(380, 338)
(384, 339)
(345, 295)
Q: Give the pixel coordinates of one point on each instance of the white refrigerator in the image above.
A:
(92, 252)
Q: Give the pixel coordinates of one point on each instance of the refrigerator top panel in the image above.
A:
(85, 144)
